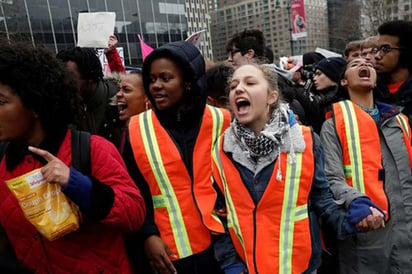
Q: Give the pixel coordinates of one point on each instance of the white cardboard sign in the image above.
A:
(94, 29)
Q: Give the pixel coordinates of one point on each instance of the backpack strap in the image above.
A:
(81, 151)
(3, 148)
(112, 124)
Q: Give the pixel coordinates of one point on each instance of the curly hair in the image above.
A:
(403, 30)
(41, 82)
(86, 60)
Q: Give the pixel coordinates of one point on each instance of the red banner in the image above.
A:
(297, 13)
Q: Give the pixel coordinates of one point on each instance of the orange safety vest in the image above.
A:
(274, 235)
(183, 208)
(361, 151)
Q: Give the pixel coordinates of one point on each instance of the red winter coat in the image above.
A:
(96, 247)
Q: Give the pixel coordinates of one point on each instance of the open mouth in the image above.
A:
(364, 73)
(242, 104)
(121, 106)
(158, 96)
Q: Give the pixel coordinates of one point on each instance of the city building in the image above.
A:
(54, 23)
(198, 18)
(273, 18)
(344, 23)
(375, 12)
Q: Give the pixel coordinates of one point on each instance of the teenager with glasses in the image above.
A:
(245, 45)
(394, 64)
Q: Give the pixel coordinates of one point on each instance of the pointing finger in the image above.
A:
(43, 153)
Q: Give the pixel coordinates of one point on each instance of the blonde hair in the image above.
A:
(270, 76)
(370, 42)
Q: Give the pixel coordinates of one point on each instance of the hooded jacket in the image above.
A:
(182, 124)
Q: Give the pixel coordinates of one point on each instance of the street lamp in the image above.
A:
(277, 7)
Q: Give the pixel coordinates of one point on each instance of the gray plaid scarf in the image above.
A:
(269, 139)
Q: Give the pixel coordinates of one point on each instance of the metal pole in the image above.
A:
(29, 23)
(290, 28)
(71, 21)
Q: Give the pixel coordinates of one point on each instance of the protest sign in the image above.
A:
(95, 28)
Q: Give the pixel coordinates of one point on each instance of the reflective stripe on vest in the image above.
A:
(218, 123)
(361, 151)
(404, 124)
(233, 221)
(290, 214)
(183, 205)
(355, 169)
(284, 201)
(168, 198)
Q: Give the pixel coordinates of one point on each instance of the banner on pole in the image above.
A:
(298, 19)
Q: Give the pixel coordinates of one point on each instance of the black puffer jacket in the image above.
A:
(317, 104)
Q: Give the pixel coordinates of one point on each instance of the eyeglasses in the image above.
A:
(387, 48)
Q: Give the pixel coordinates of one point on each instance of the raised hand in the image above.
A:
(112, 44)
(55, 171)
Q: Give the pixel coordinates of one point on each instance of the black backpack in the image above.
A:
(80, 151)
(3, 148)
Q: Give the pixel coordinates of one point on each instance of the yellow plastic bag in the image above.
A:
(44, 205)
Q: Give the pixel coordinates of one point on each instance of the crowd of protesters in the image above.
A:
(199, 167)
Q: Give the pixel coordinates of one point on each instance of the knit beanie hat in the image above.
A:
(333, 67)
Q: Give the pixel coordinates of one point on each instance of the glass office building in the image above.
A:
(53, 23)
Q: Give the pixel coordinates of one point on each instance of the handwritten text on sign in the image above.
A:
(95, 28)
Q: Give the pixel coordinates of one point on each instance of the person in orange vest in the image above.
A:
(172, 145)
(368, 154)
(271, 171)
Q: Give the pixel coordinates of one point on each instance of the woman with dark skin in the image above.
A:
(371, 164)
(172, 149)
(38, 101)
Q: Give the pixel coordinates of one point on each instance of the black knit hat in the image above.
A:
(333, 67)
(311, 58)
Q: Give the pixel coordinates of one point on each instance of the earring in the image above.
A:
(147, 105)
